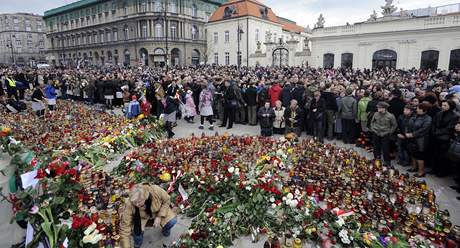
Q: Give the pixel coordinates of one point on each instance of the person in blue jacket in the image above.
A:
(134, 108)
(51, 95)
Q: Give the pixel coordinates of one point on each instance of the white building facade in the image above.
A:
(265, 39)
(398, 40)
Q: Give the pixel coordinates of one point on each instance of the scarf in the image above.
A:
(137, 216)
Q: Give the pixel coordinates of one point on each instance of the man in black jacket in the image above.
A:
(317, 111)
(286, 94)
(294, 116)
(331, 110)
(251, 100)
(396, 104)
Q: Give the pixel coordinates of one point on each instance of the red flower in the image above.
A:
(80, 222)
(318, 213)
(71, 172)
(40, 174)
(278, 202)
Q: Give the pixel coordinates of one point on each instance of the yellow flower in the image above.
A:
(165, 177)
(286, 190)
(219, 246)
(140, 117)
(290, 150)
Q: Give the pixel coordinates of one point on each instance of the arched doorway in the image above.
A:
(347, 60)
(175, 57)
(144, 56)
(328, 61)
(384, 58)
(429, 60)
(280, 57)
(159, 57)
(127, 60)
(454, 63)
(195, 57)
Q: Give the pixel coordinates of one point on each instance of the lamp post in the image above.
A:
(164, 17)
(166, 34)
(10, 45)
(238, 36)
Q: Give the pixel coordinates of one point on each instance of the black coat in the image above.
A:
(298, 93)
(444, 125)
(320, 107)
(262, 96)
(266, 121)
(251, 96)
(396, 107)
(171, 105)
(298, 117)
(37, 94)
(330, 100)
(286, 95)
(420, 127)
(109, 88)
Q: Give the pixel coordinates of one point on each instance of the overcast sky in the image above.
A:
(304, 12)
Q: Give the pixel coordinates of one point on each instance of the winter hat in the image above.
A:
(383, 105)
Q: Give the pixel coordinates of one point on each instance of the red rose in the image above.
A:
(40, 174)
(318, 213)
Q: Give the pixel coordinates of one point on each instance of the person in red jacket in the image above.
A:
(145, 107)
(274, 93)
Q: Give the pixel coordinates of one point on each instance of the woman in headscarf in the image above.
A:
(146, 203)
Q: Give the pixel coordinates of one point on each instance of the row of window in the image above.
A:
(227, 36)
(27, 22)
(387, 58)
(109, 36)
(227, 58)
(92, 17)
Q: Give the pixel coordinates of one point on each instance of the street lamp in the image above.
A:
(10, 45)
(239, 33)
(165, 15)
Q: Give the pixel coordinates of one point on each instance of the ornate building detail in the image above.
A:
(388, 8)
(320, 22)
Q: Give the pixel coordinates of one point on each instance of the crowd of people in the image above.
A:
(407, 116)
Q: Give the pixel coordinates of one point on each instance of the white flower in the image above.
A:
(190, 231)
(297, 192)
(237, 171)
(94, 238)
(272, 199)
(293, 203)
(343, 234)
(90, 229)
(284, 198)
(273, 205)
(192, 179)
(231, 169)
(340, 222)
(307, 211)
(248, 188)
(290, 196)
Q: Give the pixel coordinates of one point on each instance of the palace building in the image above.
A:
(129, 32)
(22, 39)
(249, 33)
(404, 39)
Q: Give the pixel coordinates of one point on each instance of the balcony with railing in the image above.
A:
(391, 25)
